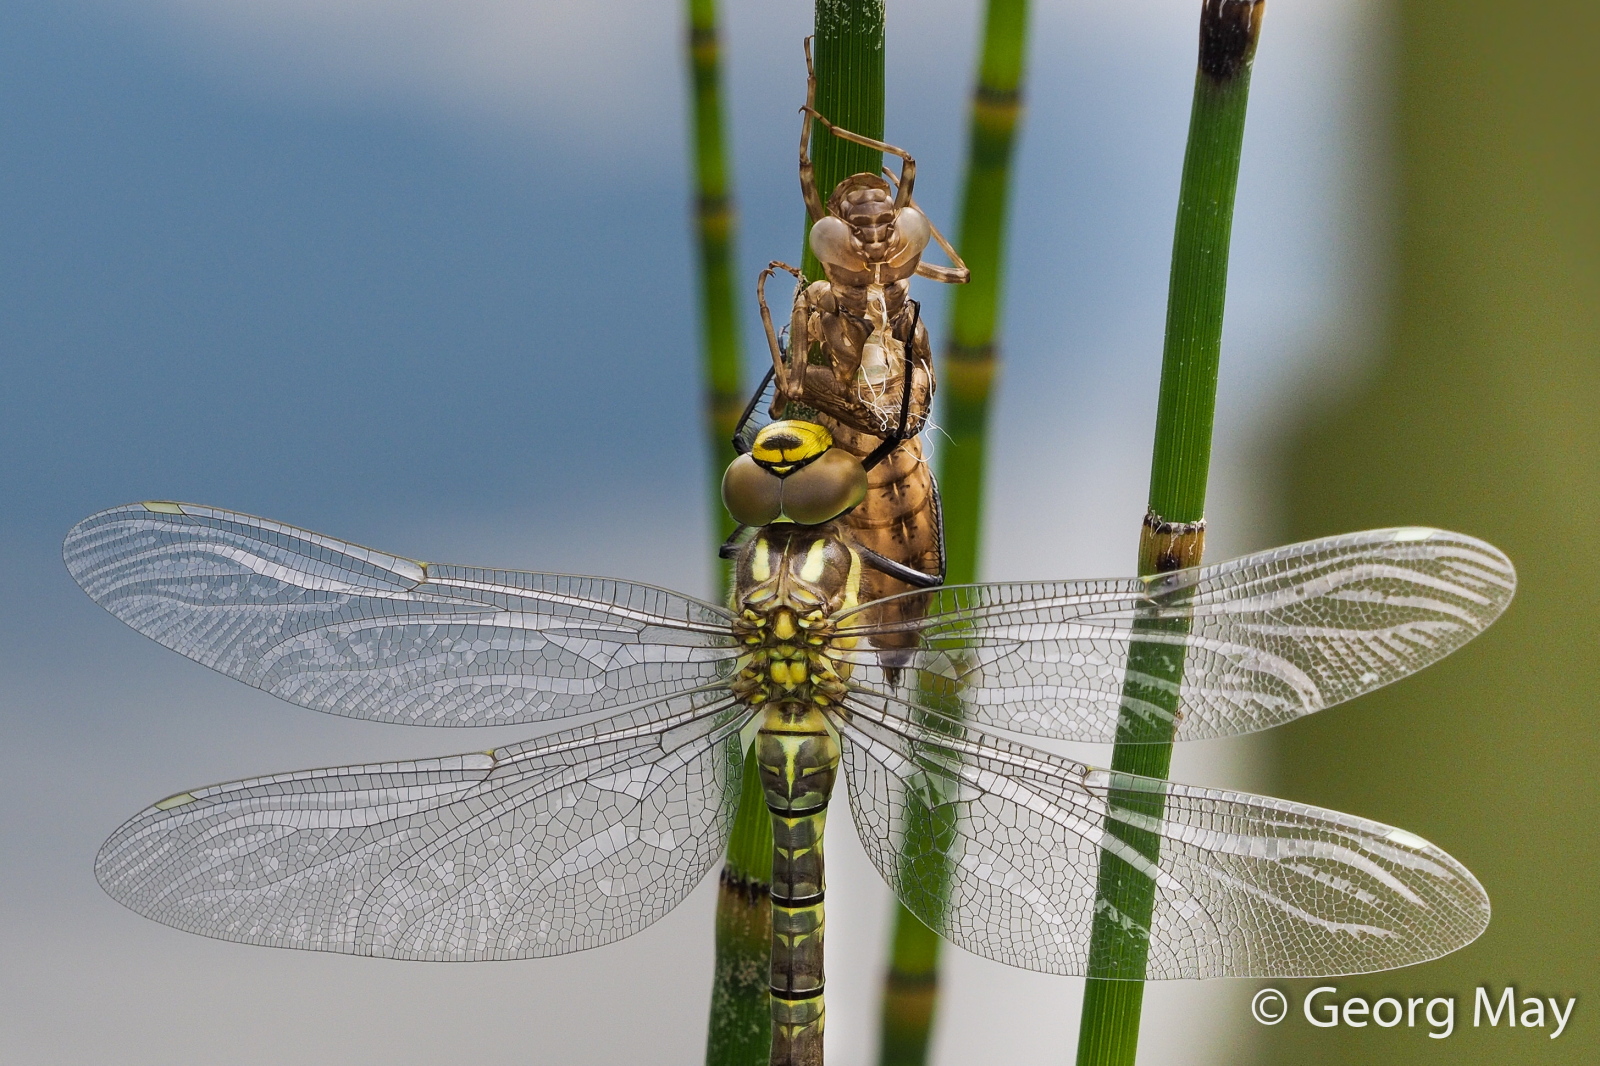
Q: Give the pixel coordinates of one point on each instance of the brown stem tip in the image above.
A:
(1229, 30)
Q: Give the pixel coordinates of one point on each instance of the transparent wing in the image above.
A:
(558, 845)
(1271, 637)
(1247, 886)
(347, 630)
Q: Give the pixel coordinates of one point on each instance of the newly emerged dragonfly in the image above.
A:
(590, 834)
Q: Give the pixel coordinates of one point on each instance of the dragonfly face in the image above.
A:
(793, 474)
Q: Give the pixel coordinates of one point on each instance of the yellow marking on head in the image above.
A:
(162, 507)
(816, 561)
(784, 445)
(175, 801)
(760, 563)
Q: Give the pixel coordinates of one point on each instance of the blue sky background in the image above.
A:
(419, 275)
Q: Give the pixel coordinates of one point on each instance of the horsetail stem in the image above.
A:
(848, 50)
(739, 1028)
(1172, 536)
(740, 1032)
(714, 230)
(911, 986)
(1199, 283)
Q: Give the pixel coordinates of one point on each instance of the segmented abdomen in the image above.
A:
(899, 520)
(798, 759)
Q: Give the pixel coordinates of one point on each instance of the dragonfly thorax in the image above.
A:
(791, 582)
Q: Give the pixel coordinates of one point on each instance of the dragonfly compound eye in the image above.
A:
(793, 473)
(752, 494)
(913, 231)
(824, 489)
(833, 244)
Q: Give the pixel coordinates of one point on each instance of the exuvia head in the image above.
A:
(863, 230)
(793, 473)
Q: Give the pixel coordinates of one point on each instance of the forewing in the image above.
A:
(352, 631)
(561, 844)
(1270, 637)
(996, 846)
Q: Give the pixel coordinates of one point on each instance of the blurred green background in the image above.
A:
(1481, 416)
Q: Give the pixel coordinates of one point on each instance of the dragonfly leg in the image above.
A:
(808, 177)
(908, 165)
(914, 578)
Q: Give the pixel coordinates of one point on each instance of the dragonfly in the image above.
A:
(596, 828)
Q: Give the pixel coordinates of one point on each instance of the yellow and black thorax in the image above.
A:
(790, 584)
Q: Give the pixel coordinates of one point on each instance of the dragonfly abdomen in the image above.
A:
(799, 761)
(899, 519)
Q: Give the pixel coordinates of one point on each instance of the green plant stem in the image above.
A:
(1173, 535)
(971, 358)
(848, 52)
(714, 224)
(740, 1033)
(911, 986)
(739, 1028)
(1199, 281)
